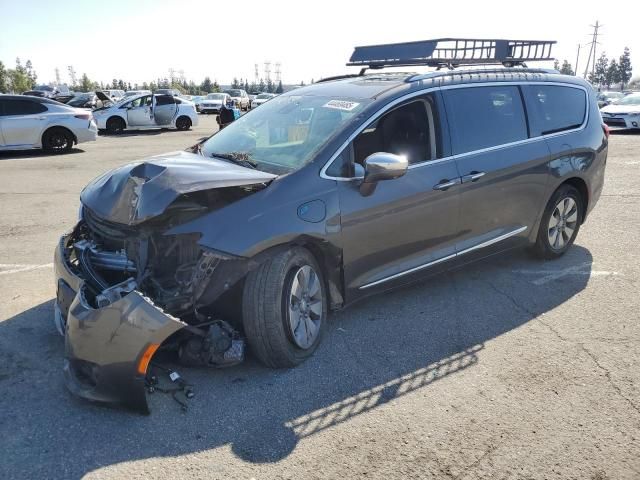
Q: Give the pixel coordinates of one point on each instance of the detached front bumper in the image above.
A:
(107, 349)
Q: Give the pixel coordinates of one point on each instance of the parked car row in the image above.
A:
(623, 113)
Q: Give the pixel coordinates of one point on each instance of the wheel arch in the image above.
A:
(119, 117)
(58, 127)
(580, 185)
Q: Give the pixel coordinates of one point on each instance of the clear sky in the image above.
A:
(140, 40)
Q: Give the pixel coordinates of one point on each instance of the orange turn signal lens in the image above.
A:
(146, 358)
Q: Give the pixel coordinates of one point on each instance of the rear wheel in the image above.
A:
(57, 140)
(115, 125)
(560, 223)
(285, 308)
(183, 123)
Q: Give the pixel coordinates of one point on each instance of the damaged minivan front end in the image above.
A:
(127, 286)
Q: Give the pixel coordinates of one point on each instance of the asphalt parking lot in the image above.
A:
(510, 368)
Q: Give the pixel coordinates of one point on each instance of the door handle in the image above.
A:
(446, 184)
(472, 177)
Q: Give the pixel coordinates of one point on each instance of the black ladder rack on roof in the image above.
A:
(451, 53)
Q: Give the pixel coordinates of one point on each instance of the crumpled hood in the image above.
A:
(136, 192)
(615, 109)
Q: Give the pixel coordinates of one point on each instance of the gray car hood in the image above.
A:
(136, 192)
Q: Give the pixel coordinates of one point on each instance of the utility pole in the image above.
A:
(592, 49)
(278, 72)
(577, 58)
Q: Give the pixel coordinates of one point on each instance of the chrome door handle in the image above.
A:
(472, 177)
(446, 184)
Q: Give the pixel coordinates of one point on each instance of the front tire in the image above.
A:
(115, 125)
(285, 308)
(57, 140)
(560, 223)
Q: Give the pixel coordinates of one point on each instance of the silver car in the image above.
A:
(34, 122)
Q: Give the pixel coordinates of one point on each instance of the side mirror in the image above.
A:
(381, 166)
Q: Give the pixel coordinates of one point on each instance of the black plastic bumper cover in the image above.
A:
(104, 346)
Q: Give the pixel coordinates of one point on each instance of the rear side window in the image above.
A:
(165, 100)
(482, 117)
(22, 107)
(554, 108)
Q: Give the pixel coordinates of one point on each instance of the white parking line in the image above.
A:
(551, 275)
(8, 268)
(632, 163)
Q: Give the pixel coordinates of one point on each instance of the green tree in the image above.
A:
(31, 73)
(153, 87)
(566, 68)
(145, 86)
(215, 87)
(279, 88)
(4, 79)
(556, 64)
(206, 86)
(114, 83)
(235, 83)
(624, 65)
(634, 83)
(86, 85)
(613, 73)
(599, 76)
(262, 87)
(270, 86)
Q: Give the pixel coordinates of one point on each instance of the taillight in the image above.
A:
(84, 116)
(606, 130)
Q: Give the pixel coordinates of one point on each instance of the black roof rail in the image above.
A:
(451, 53)
(479, 71)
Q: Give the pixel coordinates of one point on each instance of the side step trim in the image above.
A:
(487, 243)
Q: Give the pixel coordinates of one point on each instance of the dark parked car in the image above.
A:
(323, 195)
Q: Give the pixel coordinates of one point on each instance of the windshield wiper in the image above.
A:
(239, 158)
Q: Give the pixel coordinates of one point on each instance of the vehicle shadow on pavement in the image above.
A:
(373, 353)
(26, 154)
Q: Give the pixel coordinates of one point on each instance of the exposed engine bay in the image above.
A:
(173, 271)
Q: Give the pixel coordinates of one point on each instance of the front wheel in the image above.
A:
(115, 125)
(560, 223)
(285, 308)
(183, 123)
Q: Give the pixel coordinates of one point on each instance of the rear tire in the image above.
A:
(115, 125)
(57, 140)
(183, 123)
(560, 223)
(284, 308)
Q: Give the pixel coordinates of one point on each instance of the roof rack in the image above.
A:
(451, 53)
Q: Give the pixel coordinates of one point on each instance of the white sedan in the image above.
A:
(262, 98)
(145, 112)
(34, 122)
(623, 113)
(213, 102)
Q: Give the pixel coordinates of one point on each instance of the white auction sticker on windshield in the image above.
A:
(341, 105)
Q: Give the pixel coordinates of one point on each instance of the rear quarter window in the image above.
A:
(22, 107)
(555, 108)
(483, 117)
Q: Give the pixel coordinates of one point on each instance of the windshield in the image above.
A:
(44, 88)
(632, 99)
(283, 134)
(215, 96)
(234, 93)
(264, 95)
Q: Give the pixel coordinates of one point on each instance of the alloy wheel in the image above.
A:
(305, 306)
(562, 223)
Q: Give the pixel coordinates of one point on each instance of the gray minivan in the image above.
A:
(326, 194)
